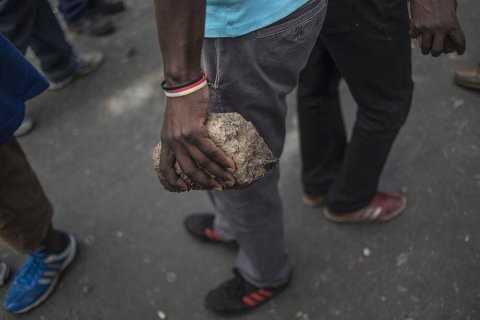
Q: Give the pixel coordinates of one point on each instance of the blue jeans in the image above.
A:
(72, 10)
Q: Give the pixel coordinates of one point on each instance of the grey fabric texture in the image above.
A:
(252, 75)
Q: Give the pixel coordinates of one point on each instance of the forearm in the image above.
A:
(180, 25)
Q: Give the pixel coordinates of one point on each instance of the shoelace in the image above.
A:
(33, 269)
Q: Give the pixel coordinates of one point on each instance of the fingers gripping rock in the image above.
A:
(240, 141)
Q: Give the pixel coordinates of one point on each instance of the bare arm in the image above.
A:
(436, 24)
(180, 25)
(185, 140)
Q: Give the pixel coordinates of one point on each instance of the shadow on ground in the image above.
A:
(91, 150)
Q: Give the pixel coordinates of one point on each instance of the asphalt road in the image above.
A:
(91, 149)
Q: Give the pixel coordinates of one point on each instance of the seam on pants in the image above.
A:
(217, 64)
(215, 86)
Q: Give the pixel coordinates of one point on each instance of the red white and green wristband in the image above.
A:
(185, 89)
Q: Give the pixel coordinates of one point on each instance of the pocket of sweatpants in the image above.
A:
(301, 17)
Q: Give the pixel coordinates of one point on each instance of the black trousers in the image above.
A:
(367, 43)
(32, 23)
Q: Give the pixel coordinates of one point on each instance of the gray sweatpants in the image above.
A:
(252, 75)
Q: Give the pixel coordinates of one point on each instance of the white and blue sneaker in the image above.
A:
(37, 278)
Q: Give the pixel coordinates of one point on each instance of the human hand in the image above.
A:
(185, 141)
(435, 24)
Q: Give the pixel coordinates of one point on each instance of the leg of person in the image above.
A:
(17, 21)
(375, 60)
(81, 18)
(253, 74)
(58, 60)
(323, 136)
(26, 225)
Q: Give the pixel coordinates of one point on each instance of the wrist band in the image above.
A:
(186, 89)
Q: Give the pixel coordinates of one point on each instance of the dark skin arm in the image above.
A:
(185, 140)
(435, 24)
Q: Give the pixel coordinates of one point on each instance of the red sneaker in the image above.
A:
(383, 208)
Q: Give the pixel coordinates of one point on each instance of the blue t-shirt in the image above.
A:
(19, 82)
(233, 18)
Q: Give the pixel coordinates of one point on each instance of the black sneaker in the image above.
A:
(237, 296)
(200, 226)
(107, 7)
(91, 24)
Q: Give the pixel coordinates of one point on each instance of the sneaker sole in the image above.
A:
(345, 220)
(27, 130)
(65, 83)
(54, 283)
(466, 84)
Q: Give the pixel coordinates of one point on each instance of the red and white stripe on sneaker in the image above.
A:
(255, 298)
(383, 208)
(211, 234)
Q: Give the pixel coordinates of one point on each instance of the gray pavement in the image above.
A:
(91, 149)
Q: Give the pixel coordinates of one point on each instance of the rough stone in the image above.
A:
(240, 141)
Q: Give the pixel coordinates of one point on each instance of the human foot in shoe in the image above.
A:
(238, 296)
(383, 208)
(37, 278)
(201, 226)
(86, 64)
